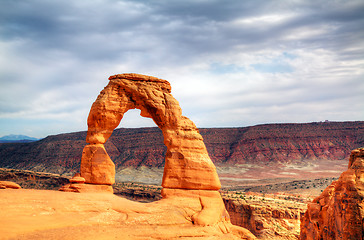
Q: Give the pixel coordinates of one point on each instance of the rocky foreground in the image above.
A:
(44, 214)
(268, 216)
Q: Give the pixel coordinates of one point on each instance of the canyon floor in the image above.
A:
(305, 178)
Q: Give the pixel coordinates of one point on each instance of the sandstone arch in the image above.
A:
(187, 164)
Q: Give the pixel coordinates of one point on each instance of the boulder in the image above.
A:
(77, 179)
(8, 184)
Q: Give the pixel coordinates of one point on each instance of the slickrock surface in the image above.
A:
(338, 212)
(45, 214)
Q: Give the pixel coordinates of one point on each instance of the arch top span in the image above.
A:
(128, 91)
(140, 77)
(187, 164)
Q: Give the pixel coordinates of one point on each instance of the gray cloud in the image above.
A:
(230, 63)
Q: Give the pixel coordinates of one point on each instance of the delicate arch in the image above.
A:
(187, 164)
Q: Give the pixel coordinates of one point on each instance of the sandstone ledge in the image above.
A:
(87, 188)
(43, 214)
(9, 184)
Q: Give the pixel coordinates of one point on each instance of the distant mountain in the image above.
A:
(257, 145)
(17, 138)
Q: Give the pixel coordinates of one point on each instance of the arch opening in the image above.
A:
(133, 119)
(143, 163)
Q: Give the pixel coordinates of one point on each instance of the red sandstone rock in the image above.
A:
(8, 184)
(87, 188)
(338, 212)
(96, 165)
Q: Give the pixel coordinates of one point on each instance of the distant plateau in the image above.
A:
(241, 155)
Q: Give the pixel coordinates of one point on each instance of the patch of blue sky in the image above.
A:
(218, 68)
(276, 65)
(37, 128)
(272, 67)
(288, 55)
(279, 64)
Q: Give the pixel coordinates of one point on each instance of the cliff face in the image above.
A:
(55, 154)
(260, 144)
(266, 220)
(284, 142)
(338, 212)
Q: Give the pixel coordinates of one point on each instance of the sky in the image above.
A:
(231, 63)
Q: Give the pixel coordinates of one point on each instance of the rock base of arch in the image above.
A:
(212, 206)
(96, 165)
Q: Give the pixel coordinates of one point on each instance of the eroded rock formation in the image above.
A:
(187, 164)
(266, 220)
(338, 212)
(189, 177)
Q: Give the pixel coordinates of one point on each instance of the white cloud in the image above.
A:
(265, 20)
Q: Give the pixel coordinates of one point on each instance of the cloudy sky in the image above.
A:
(230, 63)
